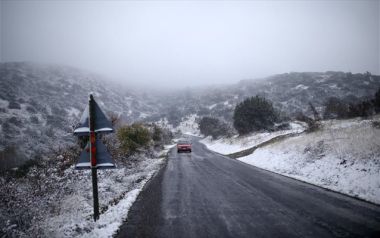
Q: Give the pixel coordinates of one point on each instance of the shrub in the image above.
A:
(157, 134)
(114, 118)
(160, 136)
(34, 119)
(14, 105)
(335, 109)
(210, 126)
(24, 168)
(9, 158)
(362, 109)
(133, 137)
(377, 100)
(312, 124)
(254, 114)
(376, 124)
(174, 116)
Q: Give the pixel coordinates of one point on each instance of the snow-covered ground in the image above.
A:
(344, 156)
(188, 125)
(75, 211)
(235, 144)
(53, 203)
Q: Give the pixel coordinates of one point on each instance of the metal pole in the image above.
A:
(93, 157)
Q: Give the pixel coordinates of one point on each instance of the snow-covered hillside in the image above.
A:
(344, 156)
(40, 104)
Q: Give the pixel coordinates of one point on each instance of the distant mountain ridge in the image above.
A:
(289, 92)
(39, 104)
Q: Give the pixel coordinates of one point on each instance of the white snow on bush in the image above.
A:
(118, 189)
(235, 144)
(344, 156)
(57, 201)
(188, 125)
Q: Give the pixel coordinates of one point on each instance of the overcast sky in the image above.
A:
(189, 43)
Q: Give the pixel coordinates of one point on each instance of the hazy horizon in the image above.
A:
(192, 43)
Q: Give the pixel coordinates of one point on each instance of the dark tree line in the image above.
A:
(336, 108)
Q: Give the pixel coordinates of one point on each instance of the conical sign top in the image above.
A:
(102, 124)
(103, 158)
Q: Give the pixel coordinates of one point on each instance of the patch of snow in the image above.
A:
(164, 123)
(189, 126)
(301, 86)
(110, 222)
(212, 106)
(4, 103)
(323, 79)
(73, 112)
(143, 115)
(235, 144)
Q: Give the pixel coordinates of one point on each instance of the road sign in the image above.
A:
(95, 155)
(102, 124)
(103, 158)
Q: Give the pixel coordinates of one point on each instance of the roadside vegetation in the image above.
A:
(336, 108)
(214, 127)
(254, 114)
(52, 190)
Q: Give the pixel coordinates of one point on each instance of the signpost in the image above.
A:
(95, 155)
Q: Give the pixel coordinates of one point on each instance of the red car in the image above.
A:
(183, 146)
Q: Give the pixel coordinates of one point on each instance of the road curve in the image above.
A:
(203, 194)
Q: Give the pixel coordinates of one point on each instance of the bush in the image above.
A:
(362, 109)
(254, 114)
(335, 109)
(210, 126)
(157, 134)
(377, 100)
(174, 116)
(133, 138)
(10, 158)
(114, 118)
(14, 105)
(312, 124)
(23, 170)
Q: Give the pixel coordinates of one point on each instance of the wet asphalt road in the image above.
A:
(203, 194)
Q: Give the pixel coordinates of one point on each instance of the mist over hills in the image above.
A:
(40, 104)
(289, 92)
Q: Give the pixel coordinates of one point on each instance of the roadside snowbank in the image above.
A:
(344, 156)
(118, 189)
(235, 144)
(53, 203)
